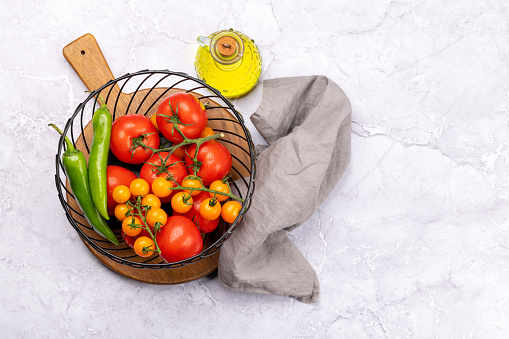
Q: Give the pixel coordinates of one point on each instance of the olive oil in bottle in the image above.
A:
(229, 61)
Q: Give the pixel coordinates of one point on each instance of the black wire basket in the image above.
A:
(146, 90)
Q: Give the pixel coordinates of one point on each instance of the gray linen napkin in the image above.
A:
(306, 122)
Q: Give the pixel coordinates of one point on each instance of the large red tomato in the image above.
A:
(190, 111)
(205, 226)
(117, 175)
(154, 168)
(215, 158)
(128, 128)
(179, 239)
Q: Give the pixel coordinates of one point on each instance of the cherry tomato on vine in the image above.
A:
(215, 158)
(163, 164)
(120, 211)
(161, 187)
(189, 110)
(144, 246)
(192, 182)
(220, 186)
(132, 128)
(117, 175)
(139, 187)
(207, 132)
(210, 209)
(204, 225)
(156, 214)
(181, 202)
(179, 239)
(151, 200)
(131, 230)
(121, 194)
(230, 211)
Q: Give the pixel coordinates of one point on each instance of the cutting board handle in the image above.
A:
(88, 61)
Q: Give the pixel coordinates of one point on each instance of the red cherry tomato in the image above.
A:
(215, 158)
(129, 127)
(205, 226)
(190, 111)
(181, 151)
(153, 169)
(179, 239)
(129, 240)
(117, 175)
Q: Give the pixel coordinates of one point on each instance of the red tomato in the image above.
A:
(181, 151)
(129, 127)
(179, 239)
(128, 239)
(117, 175)
(190, 111)
(215, 158)
(153, 169)
(205, 226)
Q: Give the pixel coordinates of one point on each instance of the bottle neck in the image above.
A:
(227, 49)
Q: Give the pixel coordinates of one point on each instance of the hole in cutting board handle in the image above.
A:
(82, 52)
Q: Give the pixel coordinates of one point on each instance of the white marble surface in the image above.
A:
(414, 241)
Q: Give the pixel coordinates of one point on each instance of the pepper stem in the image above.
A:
(70, 146)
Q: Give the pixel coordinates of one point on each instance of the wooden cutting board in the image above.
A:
(88, 61)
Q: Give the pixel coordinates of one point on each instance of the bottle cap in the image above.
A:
(226, 46)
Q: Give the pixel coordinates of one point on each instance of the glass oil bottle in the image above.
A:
(229, 61)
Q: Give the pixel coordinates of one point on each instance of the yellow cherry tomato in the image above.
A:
(192, 182)
(154, 122)
(230, 211)
(129, 229)
(210, 209)
(121, 194)
(151, 200)
(219, 186)
(156, 214)
(120, 211)
(207, 132)
(144, 246)
(161, 187)
(181, 202)
(139, 187)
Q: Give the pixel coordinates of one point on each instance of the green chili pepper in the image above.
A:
(75, 166)
(98, 160)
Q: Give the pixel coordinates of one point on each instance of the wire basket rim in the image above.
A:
(211, 249)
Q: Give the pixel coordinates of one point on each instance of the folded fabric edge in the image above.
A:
(306, 299)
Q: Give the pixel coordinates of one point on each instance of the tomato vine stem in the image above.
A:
(138, 208)
(174, 119)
